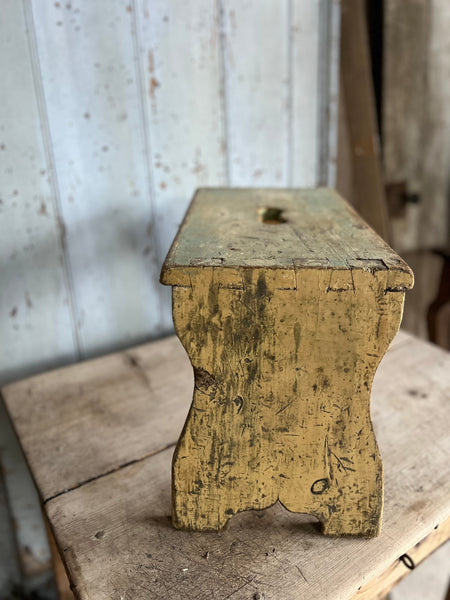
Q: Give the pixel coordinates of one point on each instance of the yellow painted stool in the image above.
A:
(285, 301)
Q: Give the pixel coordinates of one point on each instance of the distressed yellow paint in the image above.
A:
(283, 360)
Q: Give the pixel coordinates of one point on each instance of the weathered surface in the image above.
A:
(85, 404)
(285, 322)
(114, 531)
(358, 120)
(224, 228)
(416, 118)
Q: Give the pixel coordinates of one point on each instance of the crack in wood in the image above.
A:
(109, 472)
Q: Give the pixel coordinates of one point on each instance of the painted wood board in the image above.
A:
(359, 98)
(262, 551)
(257, 91)
(91, 81)
(317, 228)
(36, 312)
(305, 89)
(10, 573)
(31, 543)
(181, 70)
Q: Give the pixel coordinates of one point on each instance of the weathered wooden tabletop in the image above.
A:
(99, 437)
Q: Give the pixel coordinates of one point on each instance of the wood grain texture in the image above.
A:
(36, 319)
(379, 587)
(358, 94)
(225, 228)
(416, 118)
(305, 33)
(285, 325)
(329, 34)
(141, 378)
(117, 541)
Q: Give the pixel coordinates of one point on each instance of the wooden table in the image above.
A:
(99, 437)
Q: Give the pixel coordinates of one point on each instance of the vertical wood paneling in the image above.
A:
(36, 328)
(328, 76)
(180, 61)
(91, 84)
(257, 91)
(305, 93)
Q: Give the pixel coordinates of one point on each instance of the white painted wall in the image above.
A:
(111, 115)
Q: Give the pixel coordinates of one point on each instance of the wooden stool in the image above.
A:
(285, 301)
(99, 438)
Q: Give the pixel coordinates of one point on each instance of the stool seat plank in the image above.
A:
(114, 531)
(320, 230)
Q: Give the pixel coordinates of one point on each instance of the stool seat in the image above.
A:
(99, 438)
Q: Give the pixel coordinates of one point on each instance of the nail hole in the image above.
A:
(270, 215)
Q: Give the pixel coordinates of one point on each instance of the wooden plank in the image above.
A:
(429, 579)
(36, 320)
(122, 543)
(379, 587)
(92, 91)
(435, 140)
(358, 95)
(257, 92)
(416, 117)
(317, 228)
(344, 167)
(141, 378)
(305, 85)
(180, 54)
(427, 268)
